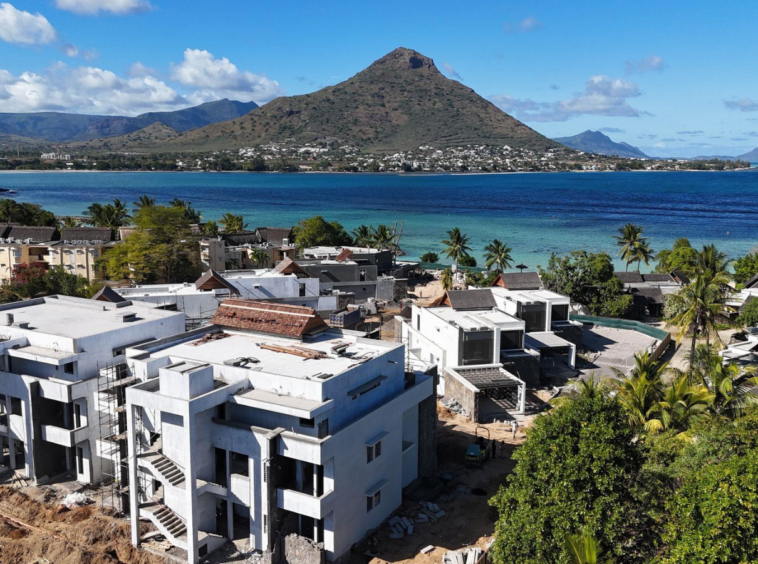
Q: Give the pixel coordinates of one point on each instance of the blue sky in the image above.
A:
(670, 77)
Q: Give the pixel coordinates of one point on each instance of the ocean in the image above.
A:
(536, 214)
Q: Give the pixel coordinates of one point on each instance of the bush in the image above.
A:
(573, 474)
(749, 316)
(467, 261)
(430, 258)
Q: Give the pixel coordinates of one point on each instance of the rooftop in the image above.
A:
(518, 280)
(470, 299)
(530, 295)
(476, 320)
(272, 357)
(78, 317)
(267, 317)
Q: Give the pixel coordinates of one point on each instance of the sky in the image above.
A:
(674, 78)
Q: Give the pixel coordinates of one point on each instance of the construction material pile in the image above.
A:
(402, 525)
(470, 555)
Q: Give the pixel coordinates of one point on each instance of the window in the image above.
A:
(15, 406)
(80, 460)
(373, 452)
(302, 290)
(377, 498)
(418, 323)
(362, 276)
(511, 340)
(68, 368)
(307, 423)
(77, 415)
(369, 503)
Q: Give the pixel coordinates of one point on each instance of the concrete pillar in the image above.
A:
(522, 398)
(572, 357)
(133, 485)
(229, 503)
(12, 451)
(190, 482)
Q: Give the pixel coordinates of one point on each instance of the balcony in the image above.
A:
(304, 504)
(63, 437)
(240, 489)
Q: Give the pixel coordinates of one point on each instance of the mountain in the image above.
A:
(400, 102)
(751, 156)
(598, 143)
(150, 136)
(62, 127)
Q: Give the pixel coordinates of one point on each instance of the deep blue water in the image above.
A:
(535, 213)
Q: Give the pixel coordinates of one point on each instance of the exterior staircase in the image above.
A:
(169, 471)
(167, 522)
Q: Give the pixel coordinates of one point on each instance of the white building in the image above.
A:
(266, 424)
(52, 352)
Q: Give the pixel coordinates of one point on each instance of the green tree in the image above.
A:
(210, 229)
(498, 254)
(587, 278)
(573, 473)
(316, 231)
(25, 214)
(113, 215)
(745, 267)
(68, 222)
(384, 237)
(232, 223)
(144, 201)
(456, 245)
(190, 214)
(363, 236)
(633, 246)
(32, 281)
(681, 257)
(749, 315)
(430, 258)
(447, 279)
(161, 249)
(260, 258)
(583, 549)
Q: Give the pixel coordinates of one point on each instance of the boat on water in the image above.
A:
(7, 191)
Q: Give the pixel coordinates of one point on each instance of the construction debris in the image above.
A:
(404, 525)
(469, 555)
(427, 549)
(75, 500)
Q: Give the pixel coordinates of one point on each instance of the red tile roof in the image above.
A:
(267, 317)
(345, 254)
(212, 280)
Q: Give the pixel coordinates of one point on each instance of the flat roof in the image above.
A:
(530, 295)
(244, 345)
(545, 340)
(78, 317)
(472, 320)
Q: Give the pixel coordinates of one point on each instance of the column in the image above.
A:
(190, 483)
(133, 486)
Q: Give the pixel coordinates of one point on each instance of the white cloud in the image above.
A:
(70, 50)
(86, 90)
(73, 51)
(743, 105)
(612, 130)
(451, 72)
(602, 96)
(524, 26)
(24, 28)
(92, 7)
(220, 78)
(651, 63)
(138, 69)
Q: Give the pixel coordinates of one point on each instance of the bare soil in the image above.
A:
(35, 532)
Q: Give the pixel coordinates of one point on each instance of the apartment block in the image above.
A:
(268, 423)
(54, 355)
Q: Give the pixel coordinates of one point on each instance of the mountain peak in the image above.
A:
(405, 59)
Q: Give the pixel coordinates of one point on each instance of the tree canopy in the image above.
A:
(25, 214)
(316, 231)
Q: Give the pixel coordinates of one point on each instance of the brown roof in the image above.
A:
(629, 277)
(345, 254)
(267, 317)
(274, 235)
(289, 266)
(86, 234)
(470, 299)
(241, 238)
(36, 234)
(108, 294)
(212, 280)
(518, 281)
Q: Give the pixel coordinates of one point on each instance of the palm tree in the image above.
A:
(260, 257)
(113, 215)
(583, 549)
(643, 253)
(702, 306)
(730, 385)
(143, 202)
(629, 239)
(591, 387)
(363, 236)
(384, 237)
(7, 210)
(641, 391)
(232, 223)
(68, 222)
(190, 214)
(683, 405)
(210, 229)
(447, 279)
(456, 245)
(711, 261)
(498, 254)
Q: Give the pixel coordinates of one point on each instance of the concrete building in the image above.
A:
(77, 250)
(200, 300)
(236, 251)
(266, 424)
(54, 356)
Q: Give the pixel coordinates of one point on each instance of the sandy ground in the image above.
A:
(35, 531)
(469, 521)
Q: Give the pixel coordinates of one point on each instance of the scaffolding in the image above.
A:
(112, 381)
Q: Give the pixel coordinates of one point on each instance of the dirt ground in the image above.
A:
(34, 531)
(469, 521)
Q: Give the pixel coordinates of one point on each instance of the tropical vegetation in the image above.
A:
(633, 246)
(498, 255)
(456, 245)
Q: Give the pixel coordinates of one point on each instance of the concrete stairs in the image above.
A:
(169, 471)
(167, 522)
